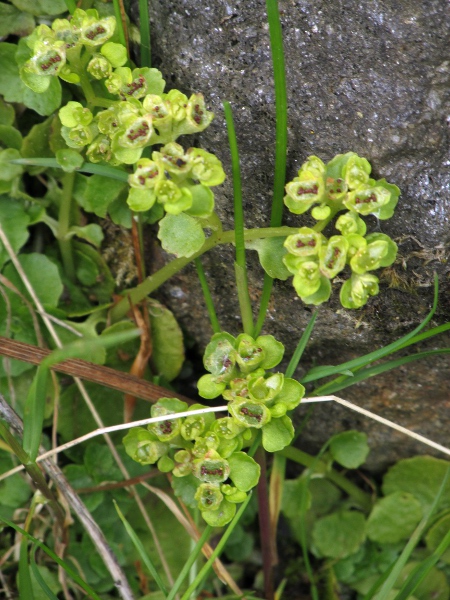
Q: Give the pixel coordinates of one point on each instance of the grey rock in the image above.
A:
(371, 76)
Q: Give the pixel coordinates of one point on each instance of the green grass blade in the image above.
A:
(71, 5)
(142, 552)
(279, 75)
(240, 264)
(188, 564)
(144, 21)
(407, 551)
(426, 334)
(207, 296)
(422, 570)
(217, 550)
(25, 584)
(343, 382)
(33, 417)
(104, 170)
(281, 138)
(320, 372)
(120, 28)
(73, 574)
(37, 575)
(298, 352)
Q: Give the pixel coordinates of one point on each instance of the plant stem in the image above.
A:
(363, 500)
(144, 20)
(218, 549)
(279, 75)
(64, 221)
(266, 534)
(240, 266)
(152, 282)
(207, 296)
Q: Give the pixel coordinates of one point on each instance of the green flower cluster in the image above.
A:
(80, 52)
(341, 185)
(179, 181)
(56, 50)
(210, 449)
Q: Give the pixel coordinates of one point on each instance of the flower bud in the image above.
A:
(212, 468)
(356, 291)
(351, 222)
(146, 175)
(356, 171)
(206, 167)
(172, 159)
(264, 390)
(367, 200)
(249, 355)
(220, 357)
(183, 463)
(250, 414)
(208, 496)
(306, 242)
(204, 444)
(369, 257)
(226, 428)
(333, 256)
(307, 279)
(174, 198)
(99, 67)
(142, 447)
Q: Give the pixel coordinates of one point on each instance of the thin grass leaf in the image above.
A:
(240, 264)
(104, 170)
(426, 334)
(142, 552)
(341, 383)
(71, 6)
(37, 575)
(25, 583)
(320, 372)
(218, 549)
(72, 574)
(119, 13)
(279, 75)
(422, 570)
(196, 552)
(390, 581)
(144, 22)
(34, 411)
(298, 352)
(207, 296)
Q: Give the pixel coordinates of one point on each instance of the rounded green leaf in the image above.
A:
(14, 221)
(181, 235)
(69, 160)
(202, 201)
(168, 347)
(421, 476)
(208, 387)
(115, 53)
(339, 535)
(393, 518)
(273, 351)
(291, 393)
(244, 471)
(349, 449)
(271, 252)
(320, 295)
(141, 200)
(277, 434)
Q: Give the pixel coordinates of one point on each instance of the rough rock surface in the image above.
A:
(372, 76)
